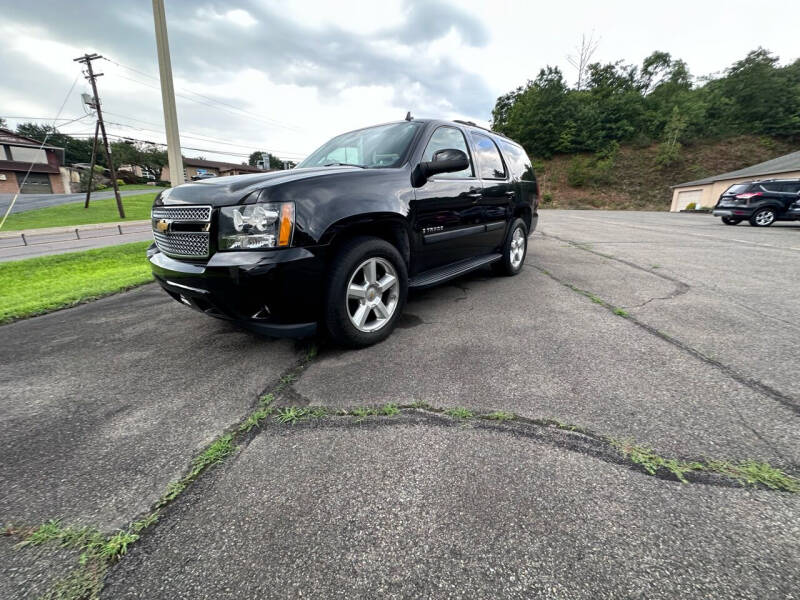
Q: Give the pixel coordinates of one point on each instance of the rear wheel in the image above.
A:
(731, 221)
(366, 292)
(514, 250)
(763, 218)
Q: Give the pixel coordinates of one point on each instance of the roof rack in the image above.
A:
(471, 124)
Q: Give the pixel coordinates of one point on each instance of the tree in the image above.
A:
(274, 162)
(76, 150)
(2, 122)
(583, 57)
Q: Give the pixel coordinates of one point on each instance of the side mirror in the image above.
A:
(448, 160)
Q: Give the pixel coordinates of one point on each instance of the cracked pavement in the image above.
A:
(103, 405)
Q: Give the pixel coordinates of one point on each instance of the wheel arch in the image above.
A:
(391, 227)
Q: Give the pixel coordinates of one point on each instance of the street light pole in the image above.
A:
(168, 96)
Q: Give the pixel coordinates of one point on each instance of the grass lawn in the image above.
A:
(99, 211)
(135, 186)
(38, 285)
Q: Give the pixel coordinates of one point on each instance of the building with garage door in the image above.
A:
(18, 154)
(706, 192)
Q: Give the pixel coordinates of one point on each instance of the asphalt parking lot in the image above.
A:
(669, 331)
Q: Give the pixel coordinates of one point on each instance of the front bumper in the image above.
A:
(275, 292)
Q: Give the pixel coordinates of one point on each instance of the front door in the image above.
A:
(446, 223)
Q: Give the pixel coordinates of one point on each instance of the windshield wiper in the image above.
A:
(341, 164)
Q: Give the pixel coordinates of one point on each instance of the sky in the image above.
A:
(284, 77)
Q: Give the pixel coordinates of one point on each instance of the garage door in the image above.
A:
(37, 183)
(686, 198)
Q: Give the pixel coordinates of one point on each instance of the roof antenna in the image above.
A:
(409, 117)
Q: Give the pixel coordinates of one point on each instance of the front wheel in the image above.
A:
(514, 250)
(763, 218)
(366, 292)
(731, 221)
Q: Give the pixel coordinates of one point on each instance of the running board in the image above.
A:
(441, 274)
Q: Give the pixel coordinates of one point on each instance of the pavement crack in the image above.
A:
(753, 384)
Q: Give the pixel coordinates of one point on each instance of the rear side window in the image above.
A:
(518, 161)
(773, 186)
(446, 138)
(793, 187)
(489, 162)
(739, 188)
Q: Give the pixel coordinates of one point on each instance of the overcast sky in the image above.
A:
(286, 76)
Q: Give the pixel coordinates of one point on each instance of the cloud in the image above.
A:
(211, 40)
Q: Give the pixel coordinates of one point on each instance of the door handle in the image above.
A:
(511, 194)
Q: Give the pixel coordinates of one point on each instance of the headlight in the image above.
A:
(256, 226)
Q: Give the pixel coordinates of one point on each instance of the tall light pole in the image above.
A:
(168, 96)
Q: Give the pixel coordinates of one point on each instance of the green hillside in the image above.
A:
(634, 180)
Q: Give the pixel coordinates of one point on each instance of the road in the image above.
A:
(666, 330)
(27, 202)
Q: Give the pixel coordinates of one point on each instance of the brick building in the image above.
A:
(17, 153)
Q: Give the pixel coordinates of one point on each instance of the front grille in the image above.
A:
(187, 245)
(191, 237)
(200, 214)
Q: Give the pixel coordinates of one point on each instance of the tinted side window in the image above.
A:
(772, 187)
(489, 161)
(792, 188)
(446, 138)
(517, 161)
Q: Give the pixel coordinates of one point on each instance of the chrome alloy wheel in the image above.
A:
(517, 251)
(372, 294)
(765, 217)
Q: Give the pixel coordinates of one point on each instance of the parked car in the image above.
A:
(759, 202)
(340, 239)
(201, 176)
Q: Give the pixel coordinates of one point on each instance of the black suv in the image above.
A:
(760, 202)
(341, 238)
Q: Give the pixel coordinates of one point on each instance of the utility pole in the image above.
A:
(168, 95)
(91, 169)
(87, 59)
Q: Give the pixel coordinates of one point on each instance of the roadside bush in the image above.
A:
(578, 171)
(691, 206)
(120, 182)
(547, 198)
(99, 181)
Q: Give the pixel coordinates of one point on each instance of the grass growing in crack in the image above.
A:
(748, 472)
(388, 410)
(420, 404)
(213, 454)
(255, 419)
(752, 472)
(501, 416)
(620, 312)
(97, 554)
(290, 414)
(459, 413)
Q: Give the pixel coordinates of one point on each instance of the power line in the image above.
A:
(44, 141)
(208, 139)
(214, 100)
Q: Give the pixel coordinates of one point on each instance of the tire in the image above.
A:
(763, 217)
(353, 294)
(513, 255)
(731, 221)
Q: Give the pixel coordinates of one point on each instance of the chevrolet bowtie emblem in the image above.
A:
(162, 225)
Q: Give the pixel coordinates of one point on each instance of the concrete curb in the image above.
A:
(28, 237)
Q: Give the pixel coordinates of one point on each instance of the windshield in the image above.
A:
(381, 146)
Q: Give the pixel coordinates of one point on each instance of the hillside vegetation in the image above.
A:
(624, 133)
(635, 180)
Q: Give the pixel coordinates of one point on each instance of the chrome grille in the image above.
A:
(191, 239)
(187, 245)
(201, 214)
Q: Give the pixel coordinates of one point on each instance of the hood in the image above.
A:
(224, 191)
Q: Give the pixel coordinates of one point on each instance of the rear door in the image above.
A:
(493, 207)
(444, 218)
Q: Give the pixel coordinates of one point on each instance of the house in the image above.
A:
(198, 166)
(706, 192)
(18, 154)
